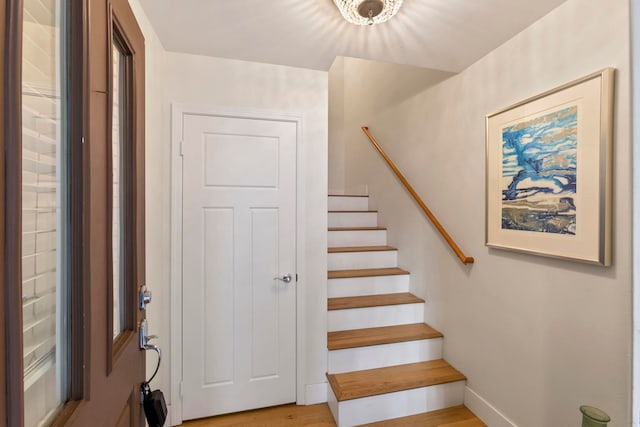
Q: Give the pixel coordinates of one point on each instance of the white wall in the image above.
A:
(158, 199)
(536, 337)
(336, 127)
(357, 89)
(635, 29)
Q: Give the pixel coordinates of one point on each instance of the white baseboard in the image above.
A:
(485, 411)
(315, 393)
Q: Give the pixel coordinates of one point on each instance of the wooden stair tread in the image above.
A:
(357, 228)
(372, 382)
(456, 416)
(377, 300)
(376, 336)
(362, 249)
(367, 272)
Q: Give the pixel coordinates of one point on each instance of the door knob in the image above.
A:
(286, 278)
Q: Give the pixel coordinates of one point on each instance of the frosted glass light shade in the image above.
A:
(356, 11)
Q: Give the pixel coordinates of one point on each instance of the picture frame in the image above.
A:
(548, 172)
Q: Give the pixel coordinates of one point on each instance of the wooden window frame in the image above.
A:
(3, 334)
(79, 175)
(128, 172)
(12, 132)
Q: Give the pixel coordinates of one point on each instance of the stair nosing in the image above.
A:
(381, 374)
(462, 414)
(428, 334)
(389, 301)
(366, 272)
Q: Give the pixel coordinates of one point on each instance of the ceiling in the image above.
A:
(442, 34)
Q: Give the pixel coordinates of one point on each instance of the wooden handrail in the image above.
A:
(465, 259)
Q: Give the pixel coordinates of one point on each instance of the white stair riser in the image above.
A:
(375, 317)
(343, 203)
(341, 239)
(380, 356)
(395, 405)
(353, 219)
(361, 260)
(358, 286)
(333, 403)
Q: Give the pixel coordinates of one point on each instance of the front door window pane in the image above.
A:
(44, 210)
(118, 198)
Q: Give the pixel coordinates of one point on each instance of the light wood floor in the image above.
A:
(279, 416)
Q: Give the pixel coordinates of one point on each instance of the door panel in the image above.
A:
(239, 190)
(241, 161)
(125, 417)
(265, 327)
(218, 237)
(116, 367)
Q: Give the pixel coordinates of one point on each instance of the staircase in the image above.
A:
(385, 364)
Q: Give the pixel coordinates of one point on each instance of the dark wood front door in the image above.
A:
(72, 213)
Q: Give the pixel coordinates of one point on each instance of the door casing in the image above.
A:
(178, 111)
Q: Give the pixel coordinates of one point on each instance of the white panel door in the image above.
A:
(239, 234)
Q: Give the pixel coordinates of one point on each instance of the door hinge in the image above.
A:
(180, 389)
(181, 148)
(296, 277)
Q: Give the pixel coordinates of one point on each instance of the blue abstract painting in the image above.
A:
(539, 159)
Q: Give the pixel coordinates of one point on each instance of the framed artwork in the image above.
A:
(548, 166)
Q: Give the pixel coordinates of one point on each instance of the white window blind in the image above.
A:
(43, 178)
(39, 218)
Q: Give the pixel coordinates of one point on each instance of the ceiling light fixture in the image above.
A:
(368, 12)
